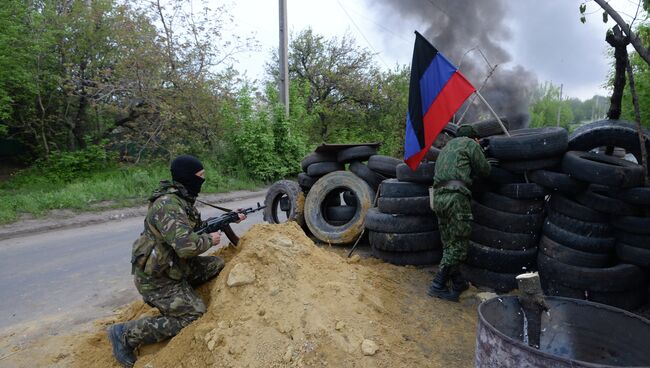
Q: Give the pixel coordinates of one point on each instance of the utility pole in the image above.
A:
(284, 65)
(559, 106)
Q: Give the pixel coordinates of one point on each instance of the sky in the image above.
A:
(545, 37)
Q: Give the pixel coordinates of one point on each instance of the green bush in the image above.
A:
(66, 166)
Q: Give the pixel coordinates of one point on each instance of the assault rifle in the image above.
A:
(223, 222)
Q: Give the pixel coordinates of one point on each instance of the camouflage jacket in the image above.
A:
(169, 236)
(461, 158)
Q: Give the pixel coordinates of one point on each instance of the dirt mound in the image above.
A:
(281, 301)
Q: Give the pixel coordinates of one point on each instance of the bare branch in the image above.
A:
(634, 38)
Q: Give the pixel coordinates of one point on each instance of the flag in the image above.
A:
(436, 92)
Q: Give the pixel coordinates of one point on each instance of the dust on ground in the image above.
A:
(300, 305)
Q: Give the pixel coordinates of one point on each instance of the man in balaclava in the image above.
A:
(166, 262)
(460, 159)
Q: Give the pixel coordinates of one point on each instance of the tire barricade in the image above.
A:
(551, 204)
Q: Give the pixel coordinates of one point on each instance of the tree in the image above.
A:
(545, 105)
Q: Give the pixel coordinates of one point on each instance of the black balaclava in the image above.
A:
(183, 171)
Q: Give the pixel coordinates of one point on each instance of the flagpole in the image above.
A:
(493, 113)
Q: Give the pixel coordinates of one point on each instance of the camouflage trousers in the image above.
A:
(178, 303)
(454, 212)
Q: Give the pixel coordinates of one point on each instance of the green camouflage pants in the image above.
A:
(454, 212)
(177, 302)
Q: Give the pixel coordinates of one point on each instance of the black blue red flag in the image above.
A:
(436, 92)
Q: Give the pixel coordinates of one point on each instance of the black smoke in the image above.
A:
(456, 26)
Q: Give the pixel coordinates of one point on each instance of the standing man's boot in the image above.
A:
(122, 351)
(458, 282)
(439, 287)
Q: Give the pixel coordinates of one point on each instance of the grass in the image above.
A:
(36, 193)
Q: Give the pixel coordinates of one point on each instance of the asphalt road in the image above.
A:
(61, 280)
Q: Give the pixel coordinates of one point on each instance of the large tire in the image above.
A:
(636, 196)
(502, 176)
(372, 178)
(323, 168)
(314, 218)
(501, 260)
(340, 213)
(500, 282)
(411, 242)
(316, 157)
(596, 229)
(488, 128)
(521, 166)
(632, 224)
(424, 258)
(578, 242)
(597, 199)
(507, 204)
(573, 257)
(529, 144)
(501, 239)
(523, 191)
(306, 182)
(384, 165)
(557, 182)
(390, 223)
(628, 300)
(635, 240)
(602, 169)
(422, 175)
(616, 278)
(568, 207)
(405, 206)
(633, 255)
(615, 133)
(392, 188)
(359, 153)
(508, 222)
(292, 191)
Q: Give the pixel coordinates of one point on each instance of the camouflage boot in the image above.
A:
(122, 352)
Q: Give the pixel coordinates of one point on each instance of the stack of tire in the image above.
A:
(578, 250)
(508, 212)
(334, 201)
(403, 229)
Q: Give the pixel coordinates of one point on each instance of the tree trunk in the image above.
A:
(619, 42)
(637, 118)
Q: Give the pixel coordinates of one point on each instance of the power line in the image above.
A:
(362, 35)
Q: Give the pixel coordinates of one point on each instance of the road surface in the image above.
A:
(62, 280)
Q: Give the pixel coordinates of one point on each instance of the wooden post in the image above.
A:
(531, 298)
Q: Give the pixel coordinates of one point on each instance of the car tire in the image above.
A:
(358, 153)
(405, 206)
(602, 169)
(503, 240)
(391, 223)
(384, 165)
(557, 181)
(292, 191)
(508, 222)
(410, 242)
(529, 144)
(372, 178)
(329, 183)
(424, 258)
(570, 256)
(578, 242)
(507, 204)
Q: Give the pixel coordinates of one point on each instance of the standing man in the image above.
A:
(461, 158)
(166, 262)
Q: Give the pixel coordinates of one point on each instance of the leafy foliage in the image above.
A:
(545, 106)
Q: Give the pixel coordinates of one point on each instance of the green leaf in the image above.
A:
(583, 8)
(583, 19)
(605, 17)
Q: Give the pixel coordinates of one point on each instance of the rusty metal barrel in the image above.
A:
(575, 333)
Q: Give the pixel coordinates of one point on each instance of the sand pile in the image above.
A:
(282, 301)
